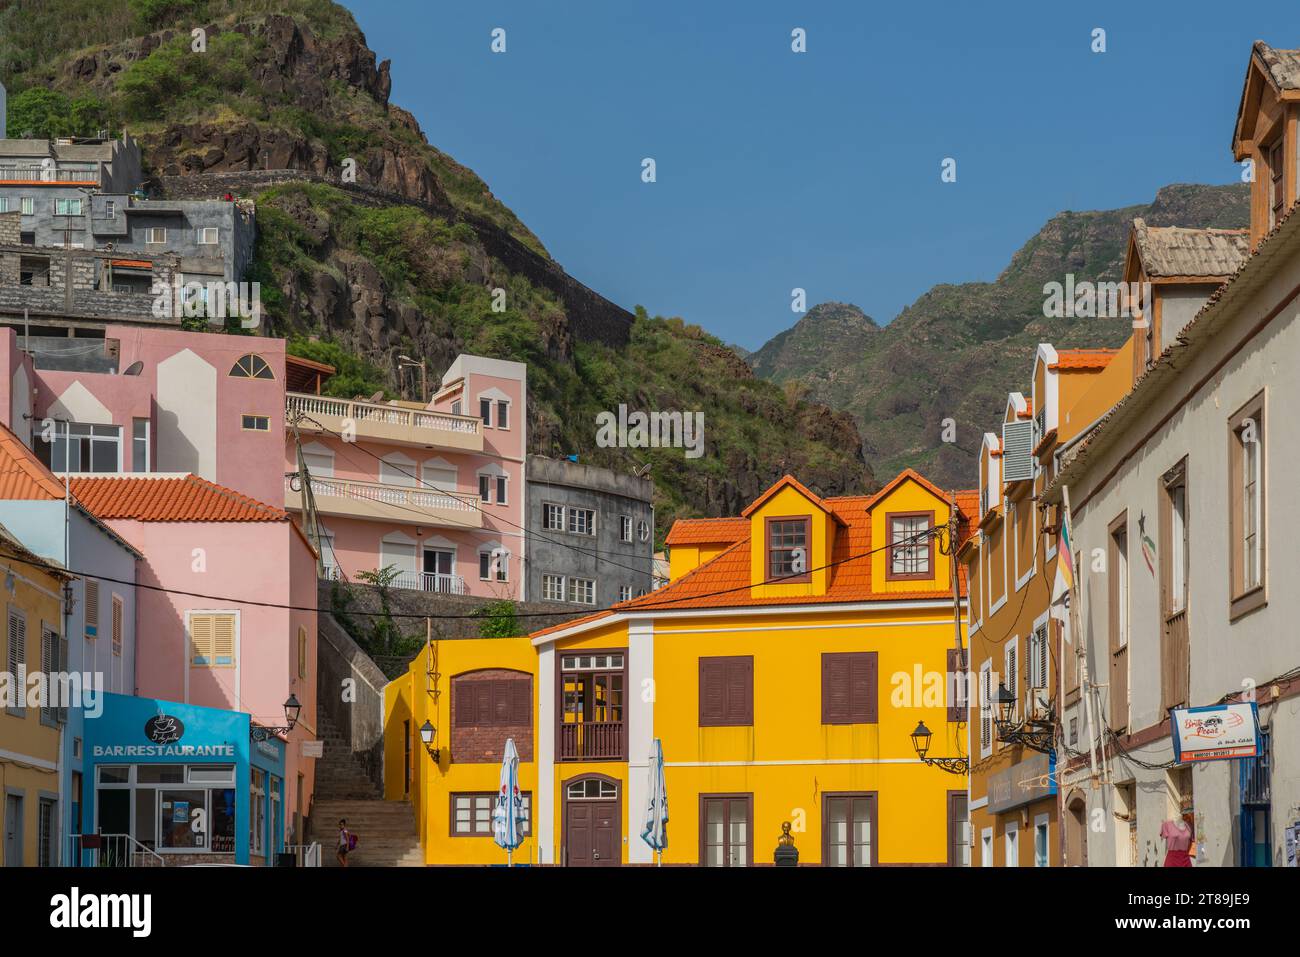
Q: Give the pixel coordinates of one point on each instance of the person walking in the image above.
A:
(345, 842)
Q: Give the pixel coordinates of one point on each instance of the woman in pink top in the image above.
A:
(1178, 840)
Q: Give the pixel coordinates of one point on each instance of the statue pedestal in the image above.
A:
(786, 855)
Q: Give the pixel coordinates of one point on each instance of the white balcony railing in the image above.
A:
(400, 495)
(381, 413)
(428, 581)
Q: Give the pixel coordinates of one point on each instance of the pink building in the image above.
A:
(434, 490)
(150, 400)
(225, 608)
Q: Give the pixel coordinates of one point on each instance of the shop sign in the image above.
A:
(1215, 732)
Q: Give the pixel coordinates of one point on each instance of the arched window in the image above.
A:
(251, 366)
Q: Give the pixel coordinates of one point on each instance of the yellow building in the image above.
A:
(29, 726)
(784, 670)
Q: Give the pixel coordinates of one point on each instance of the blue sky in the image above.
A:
(818, 170)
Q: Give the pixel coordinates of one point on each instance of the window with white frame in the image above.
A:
(27, 205)
(1010, 672)
(485, 488)
(156, 235)
(493, 564)
(986, 847)
(553, 587)
(472, 813)
(485, 412)
(78, 447)
(502, 483)
(553, 517)
(986, 709)
(67, 207)
(1012, 837)
(1041, 858)
(503, 414)
(624, 592)
(625, 528)
(139, 445)
(208, 236)
(582, 521)
(582, 591)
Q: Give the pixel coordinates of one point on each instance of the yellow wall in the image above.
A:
(909, 496)
(683, 559)
(36, 597)
(790, 503)
(432, 785)
(789, 755)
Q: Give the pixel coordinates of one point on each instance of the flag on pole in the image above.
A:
(1063, 586)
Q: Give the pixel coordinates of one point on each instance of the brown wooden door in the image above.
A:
(605, 834)
(593, 834)
(1118, 584)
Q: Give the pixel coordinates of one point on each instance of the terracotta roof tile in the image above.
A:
(22, 476)
(1182, 251)
(169, 498)
(703, 531)
(1084, 359)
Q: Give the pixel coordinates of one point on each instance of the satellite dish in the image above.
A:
(135, 368)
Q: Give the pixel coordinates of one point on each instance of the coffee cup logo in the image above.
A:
(164, 729)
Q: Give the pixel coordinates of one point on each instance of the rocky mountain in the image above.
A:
(417, 256)
(959, 349)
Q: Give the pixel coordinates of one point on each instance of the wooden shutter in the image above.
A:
(835, 689)
(521, 702)
(849, 688)
(740, 691)
(713, 692)
(1010, 679)
(117, 624)
(957, 684)
(302, 652)
(49, 665)
(986, 708)
(223, 639)
(201, 639)
(92, 608)
(463, 694)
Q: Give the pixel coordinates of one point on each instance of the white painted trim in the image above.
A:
(742, 610)
(41, 763)
(727, 630)
(544, 797)
(640, 731)
(978, 803)
(986, 861)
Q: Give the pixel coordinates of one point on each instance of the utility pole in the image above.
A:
(310, 517)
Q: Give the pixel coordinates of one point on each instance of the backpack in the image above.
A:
(352, 841)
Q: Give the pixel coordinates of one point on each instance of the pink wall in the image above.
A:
(246, 461)
(255, 561)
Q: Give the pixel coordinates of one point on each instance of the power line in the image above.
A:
(911, 539)
(476, 503)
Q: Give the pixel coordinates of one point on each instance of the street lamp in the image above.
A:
(427, 734)
(407, 362)
(921, 744)
(1038, 729)
(292, 709)
(1006, 703)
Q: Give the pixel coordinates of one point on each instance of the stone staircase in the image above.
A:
(385, 830)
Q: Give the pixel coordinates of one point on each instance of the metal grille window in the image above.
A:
(909, 554)
(787, 547)
(47, 829)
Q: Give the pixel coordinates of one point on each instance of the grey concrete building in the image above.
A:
(591, 533)
(87, 195)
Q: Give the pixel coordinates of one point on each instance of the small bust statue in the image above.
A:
(786, 854)
(785, 839)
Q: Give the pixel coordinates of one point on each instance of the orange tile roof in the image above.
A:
(724, 581)
(786, 481)
(1083, 359)
(22, 476)
(172, 498)
(132, 263)
(704, 531)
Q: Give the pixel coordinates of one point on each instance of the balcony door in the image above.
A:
(592, 705)
(850, 823)
(439, 570)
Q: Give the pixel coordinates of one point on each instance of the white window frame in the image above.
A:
(624, 592)
(1011, 844)
(553, 587)
(490, 551)
(986, 707)
(986, 847)
(152, 234)
(571, 590)
(203, 231)
(503, 414)
(625, 528)
(574, 510)
(1011, 661)
(27, 205)
(1041, 826)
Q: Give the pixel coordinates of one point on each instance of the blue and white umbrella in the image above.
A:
(508, 821)
(655, 831)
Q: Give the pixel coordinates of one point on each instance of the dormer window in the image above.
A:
(787, 549)
(911, 550)
(1277, 186)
